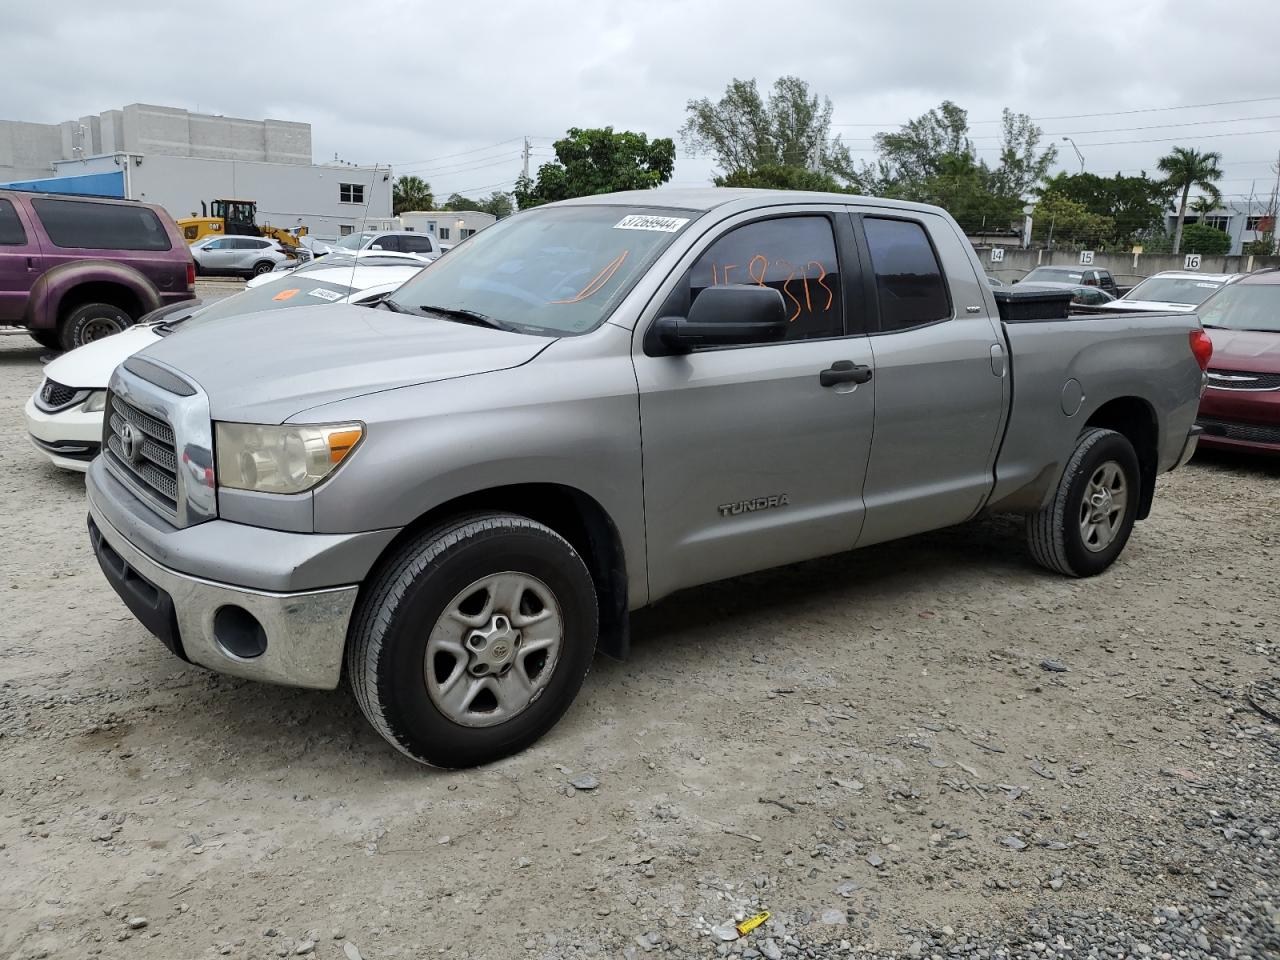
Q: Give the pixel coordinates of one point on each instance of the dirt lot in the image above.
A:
(929, 748)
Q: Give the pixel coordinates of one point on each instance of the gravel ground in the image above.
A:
(924, 749)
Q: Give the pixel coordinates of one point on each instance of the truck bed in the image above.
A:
(1058, 366)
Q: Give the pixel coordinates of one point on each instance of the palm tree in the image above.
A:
(1202, 206)
(1186, 167)
(410, 193)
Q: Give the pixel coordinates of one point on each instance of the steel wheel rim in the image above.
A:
(1103, 507)
(493, 649)
(99, 327)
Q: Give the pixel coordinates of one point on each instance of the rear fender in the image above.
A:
(48, 292)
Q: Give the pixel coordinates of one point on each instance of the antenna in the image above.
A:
(364, 219)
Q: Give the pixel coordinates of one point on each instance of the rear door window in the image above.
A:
(416, 245)
(387, 243)
(909, 280)
(795, 256)
(11, 232)
(101, 226)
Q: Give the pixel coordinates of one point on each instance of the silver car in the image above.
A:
(237, 256)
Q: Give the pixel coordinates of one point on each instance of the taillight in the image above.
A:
(1201, 348)
(191, 274)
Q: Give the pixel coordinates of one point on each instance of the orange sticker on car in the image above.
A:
(286, 294)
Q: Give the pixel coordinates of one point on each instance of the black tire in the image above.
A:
(90, 322)
(263, 266)
(401, 604)
(46, 338)
(1055, 532)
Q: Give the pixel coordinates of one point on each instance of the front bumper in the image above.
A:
(304, 634)
(299, 588)
(70, 438)
(1245, 420)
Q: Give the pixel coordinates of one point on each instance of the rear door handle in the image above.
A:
(844, 371)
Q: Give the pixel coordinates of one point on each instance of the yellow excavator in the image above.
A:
(235, 218)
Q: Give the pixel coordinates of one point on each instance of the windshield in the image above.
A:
(1243, 306)
(294, 292)
(555, 271)
(354, 241)
(1173, 290)
(1054, 273)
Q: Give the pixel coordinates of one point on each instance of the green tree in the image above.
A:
(931, 159)
(1068, 221)
(410, 193)
(1184, 168)
(596, 161)
(1135, 204)
(774, 176)
(1022, 167)
(909, 157)
(1202, 238)
(497, 203)
(745, 133)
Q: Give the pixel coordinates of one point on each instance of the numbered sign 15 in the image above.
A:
(1086, 258)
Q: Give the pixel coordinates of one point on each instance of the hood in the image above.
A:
(1156, 305)
(90, 367)
(1250, 351)
(266, 367)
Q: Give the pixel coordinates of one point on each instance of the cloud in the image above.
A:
(397, 80)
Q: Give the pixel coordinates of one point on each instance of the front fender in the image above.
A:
(47, 293)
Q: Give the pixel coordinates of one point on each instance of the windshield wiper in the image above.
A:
(460, 315)
(390, 305)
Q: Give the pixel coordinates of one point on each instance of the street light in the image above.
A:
(1079, 155)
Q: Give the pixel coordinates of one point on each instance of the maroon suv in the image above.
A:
(74, 269)
(1241, 407)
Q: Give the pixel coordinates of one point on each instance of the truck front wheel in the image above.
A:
(472, 641)
(1088, 521)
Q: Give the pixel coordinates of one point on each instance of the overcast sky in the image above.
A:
(446, 90)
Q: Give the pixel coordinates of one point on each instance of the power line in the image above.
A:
(1084, 116)
(446, 156)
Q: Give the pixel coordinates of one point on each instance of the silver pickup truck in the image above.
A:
(459, 495)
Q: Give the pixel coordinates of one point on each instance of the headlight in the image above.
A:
(284, 459)
(97, 402)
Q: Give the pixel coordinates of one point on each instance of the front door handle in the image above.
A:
(844, 371)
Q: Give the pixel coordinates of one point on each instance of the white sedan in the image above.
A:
(1173, 291)
(64, 416)
(342, 259)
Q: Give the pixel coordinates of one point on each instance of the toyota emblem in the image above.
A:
(131, 442)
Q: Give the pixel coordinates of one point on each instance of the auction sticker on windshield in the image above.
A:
(661, 224)
(323, 294)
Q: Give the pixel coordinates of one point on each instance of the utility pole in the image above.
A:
(525, 155)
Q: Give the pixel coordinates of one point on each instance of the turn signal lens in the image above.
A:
(1201, 348)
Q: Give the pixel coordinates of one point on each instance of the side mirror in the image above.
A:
(734, 315)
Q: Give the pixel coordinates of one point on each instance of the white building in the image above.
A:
(177, 159)
(447, 226)
(1244, 221)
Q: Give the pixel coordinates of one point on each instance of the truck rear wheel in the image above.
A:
(91, 322)
(472, 641)
(1088, 522)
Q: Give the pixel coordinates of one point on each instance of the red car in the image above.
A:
(1241, 408)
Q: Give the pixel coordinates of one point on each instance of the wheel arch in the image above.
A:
(574, 515)
(1135, 419)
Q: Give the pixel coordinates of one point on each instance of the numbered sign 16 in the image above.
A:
(1192, 262)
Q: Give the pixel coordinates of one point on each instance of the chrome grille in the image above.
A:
(55, 396)
(1243, 380)
(153, 470)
